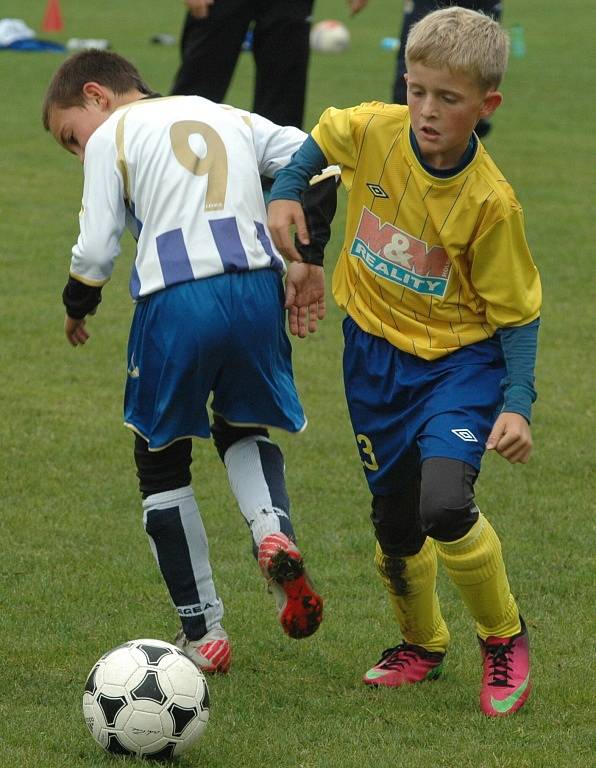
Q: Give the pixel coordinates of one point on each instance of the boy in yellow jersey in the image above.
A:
(442, 303)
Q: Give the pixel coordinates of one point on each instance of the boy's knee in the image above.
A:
(447, 506)
(397, 525)
(163, 470)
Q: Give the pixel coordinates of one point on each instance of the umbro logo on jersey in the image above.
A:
(377, 190)
(465, 435)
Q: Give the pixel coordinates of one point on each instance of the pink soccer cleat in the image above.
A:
(506, 673)
(404, 665)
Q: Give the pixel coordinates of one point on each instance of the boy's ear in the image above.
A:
(97, 94)
(492, 100)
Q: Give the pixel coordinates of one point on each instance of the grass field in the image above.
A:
(76, 574)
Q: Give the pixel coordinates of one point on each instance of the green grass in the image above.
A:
(76, 574)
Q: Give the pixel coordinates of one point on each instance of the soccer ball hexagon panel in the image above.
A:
(146, 698)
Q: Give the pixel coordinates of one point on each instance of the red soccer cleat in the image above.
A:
(211, 653)
(300, 608)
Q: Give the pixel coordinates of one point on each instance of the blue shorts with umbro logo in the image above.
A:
(403, 406)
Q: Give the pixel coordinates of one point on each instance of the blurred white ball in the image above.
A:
(329, 36)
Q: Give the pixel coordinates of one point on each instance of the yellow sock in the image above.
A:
(475, 564)
(411, 584)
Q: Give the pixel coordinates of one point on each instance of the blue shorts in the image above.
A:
(223, 335)
(404, 408)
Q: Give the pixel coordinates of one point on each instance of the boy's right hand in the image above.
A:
(75, 330)
(511, 438)
(282, 217)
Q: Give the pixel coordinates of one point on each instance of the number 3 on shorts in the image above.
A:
(366, 452)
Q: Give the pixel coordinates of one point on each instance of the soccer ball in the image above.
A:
(329, 36)
(146, 698)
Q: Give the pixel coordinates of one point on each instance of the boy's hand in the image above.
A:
(511, 438)
(75, 330)
(198, 8)
(356, 6)
(282, 216)
(305, 298)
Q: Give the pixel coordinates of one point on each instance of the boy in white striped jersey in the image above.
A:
(183, 174)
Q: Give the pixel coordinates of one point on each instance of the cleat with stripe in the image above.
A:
(211, 653)
(299, 606)
(404, 665)
(506, 681)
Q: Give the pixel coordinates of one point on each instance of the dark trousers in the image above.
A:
(210, 48)
(413, 12)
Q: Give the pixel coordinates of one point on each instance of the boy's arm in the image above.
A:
(510, 435)
(519, 346)
(286, 203)
(101, 220)
(319, 203)
(274, 144)
(80, 300)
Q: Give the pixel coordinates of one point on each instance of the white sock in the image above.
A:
(255, 468)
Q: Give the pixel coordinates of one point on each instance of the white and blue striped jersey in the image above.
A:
(183, 174)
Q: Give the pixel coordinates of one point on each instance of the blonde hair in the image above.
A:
(462, 40)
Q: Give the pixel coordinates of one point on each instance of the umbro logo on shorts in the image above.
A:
(465, 435)
(133, 370)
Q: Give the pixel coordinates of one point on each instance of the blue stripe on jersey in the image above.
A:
(134, 284)
(173, 257)
(276, 262)
(227, 239)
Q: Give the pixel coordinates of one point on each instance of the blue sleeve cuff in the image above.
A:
(519, 346)
(292, 180)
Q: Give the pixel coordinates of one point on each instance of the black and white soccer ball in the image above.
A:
(146, 698)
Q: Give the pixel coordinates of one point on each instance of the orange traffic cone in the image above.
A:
(52, 20)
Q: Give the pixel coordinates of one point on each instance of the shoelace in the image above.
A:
(394, 658)
(499, 662)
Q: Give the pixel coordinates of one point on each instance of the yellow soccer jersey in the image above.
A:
(430, 264)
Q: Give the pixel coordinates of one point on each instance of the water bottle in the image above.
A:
(389, 43)
(518, 41)
(247, 42)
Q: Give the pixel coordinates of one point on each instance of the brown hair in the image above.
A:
(462, 40)
(104, 67)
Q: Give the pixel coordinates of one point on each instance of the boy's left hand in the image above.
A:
(75, 330)
(511, 438)
(305, 298)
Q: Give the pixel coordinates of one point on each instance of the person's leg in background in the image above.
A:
(281, 51)
(210, 48)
